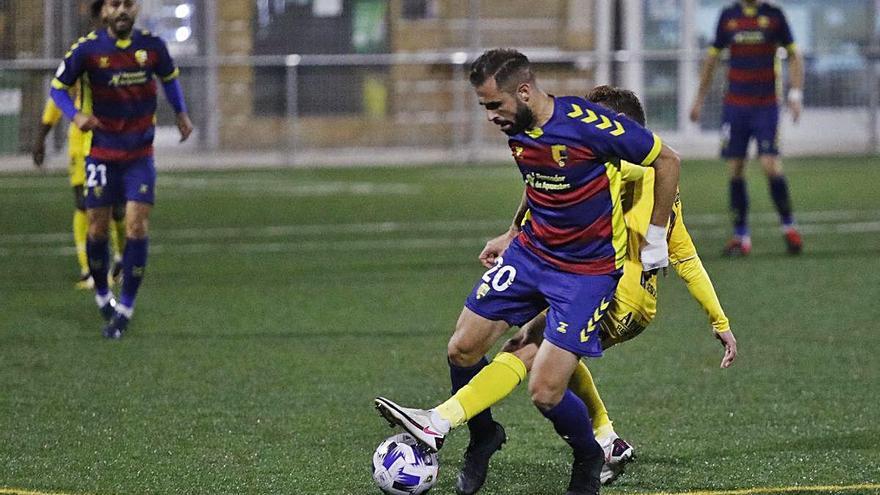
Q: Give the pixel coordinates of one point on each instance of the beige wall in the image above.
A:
(425, 91)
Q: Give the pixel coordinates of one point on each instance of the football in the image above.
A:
(401, 466)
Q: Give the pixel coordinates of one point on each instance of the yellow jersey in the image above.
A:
(635, 302)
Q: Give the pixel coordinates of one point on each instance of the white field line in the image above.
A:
(422, 243)
(842, 222)
(242, 186)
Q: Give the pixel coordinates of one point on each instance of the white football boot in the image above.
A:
(618, 453)
(417, 422)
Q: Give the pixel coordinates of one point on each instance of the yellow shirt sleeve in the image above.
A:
(630, 172)
(51, 113)
(700, 286)
(683, 257)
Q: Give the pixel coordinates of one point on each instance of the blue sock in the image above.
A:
(134, 261)
(779, 193)
(572, 422)
(739, 206)
(480, 424)
(98, 253)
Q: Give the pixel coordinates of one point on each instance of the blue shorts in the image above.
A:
(740, 124)
(111, 183)
(521, 285)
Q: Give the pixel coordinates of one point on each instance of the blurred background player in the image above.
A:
(632, 310)
(120, 64)
(77, 148)
(753, 30)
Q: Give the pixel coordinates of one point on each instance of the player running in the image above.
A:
(568, 257)
(117, 66)
(77, 148)
(753, 30)
(632, 310)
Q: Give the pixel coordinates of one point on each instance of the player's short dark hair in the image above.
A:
(507, 66)
(620, 100)
(95, 9)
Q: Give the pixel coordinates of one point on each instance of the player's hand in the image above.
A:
(729, 342)
(795, 107)
(496, 247)
(85, 122)
(39, 153)
(695, 112)
(184, 125)
(655, 251)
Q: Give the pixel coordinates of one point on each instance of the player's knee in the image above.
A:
(136, 229)
(772, 168)
(544, 396)
(98, 231)
(461, 354)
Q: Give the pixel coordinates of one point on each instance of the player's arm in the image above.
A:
(667, 167)
(51, 116)
(707, 73)
(615, 136)
(495, 247)
(795, 97)
(168, 73)
(700, 286)
(71, 68)
(689, 267)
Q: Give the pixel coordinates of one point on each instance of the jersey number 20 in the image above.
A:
(503, 275)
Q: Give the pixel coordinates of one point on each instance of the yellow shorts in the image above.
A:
(78, 144)
(76, 168)
(620, 323)
(632, 310)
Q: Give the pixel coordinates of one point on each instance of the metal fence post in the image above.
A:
(291, 63)
(633, 69)
(460, 153)
(687, 65)
(603, 26)
(211, 135)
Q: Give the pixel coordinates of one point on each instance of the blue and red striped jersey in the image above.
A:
(119, 78)
(571, 170)
(753, 35)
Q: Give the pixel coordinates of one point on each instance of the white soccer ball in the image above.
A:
(402, 466)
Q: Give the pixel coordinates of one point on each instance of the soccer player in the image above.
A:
(633, 308)
(117, 66)
(77, 149)
(635, 302)
(753, 30)
(568, 257)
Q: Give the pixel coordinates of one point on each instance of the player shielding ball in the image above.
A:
(632, 310)
(567, 259)
(117, 66)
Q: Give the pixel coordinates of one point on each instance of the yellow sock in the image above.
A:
(493, 383)
(117, 237)
(583, 386)
(80, 231)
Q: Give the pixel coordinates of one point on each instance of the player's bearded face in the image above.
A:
(523, 119)
(120, 16)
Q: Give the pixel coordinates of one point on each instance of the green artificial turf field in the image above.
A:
(278, 303)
